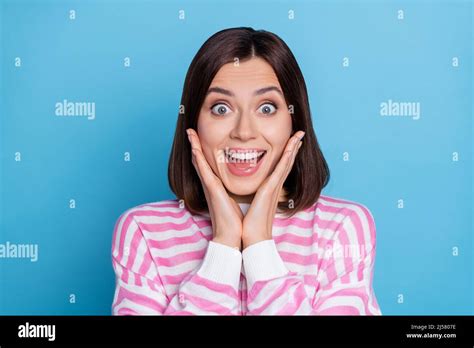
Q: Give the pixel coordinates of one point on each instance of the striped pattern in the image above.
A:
(320, 262)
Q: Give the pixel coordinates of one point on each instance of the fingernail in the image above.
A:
(194, 152)
(301, 136)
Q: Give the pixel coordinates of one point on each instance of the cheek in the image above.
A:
(210, 141)
(279, 133)
(277, 136)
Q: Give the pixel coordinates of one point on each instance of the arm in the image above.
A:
(214, 287)
(211, 289)
(354, 297)
(344, 282)
(272, 288)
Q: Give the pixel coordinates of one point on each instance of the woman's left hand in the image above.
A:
(258, 222)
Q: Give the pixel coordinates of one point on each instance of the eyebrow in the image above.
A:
(257, 92)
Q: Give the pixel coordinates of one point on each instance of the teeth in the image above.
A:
(244, 156)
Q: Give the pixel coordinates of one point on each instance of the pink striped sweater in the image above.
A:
(319, 262)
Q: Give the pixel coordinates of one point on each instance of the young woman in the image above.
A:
(249, 232)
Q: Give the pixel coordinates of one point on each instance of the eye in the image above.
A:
(219, 109)
(268, 108)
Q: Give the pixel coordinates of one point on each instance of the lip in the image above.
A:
(244, 150)
(244, 168)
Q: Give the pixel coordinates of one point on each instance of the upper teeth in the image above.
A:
(244, 155)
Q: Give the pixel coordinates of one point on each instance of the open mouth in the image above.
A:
(244, 156)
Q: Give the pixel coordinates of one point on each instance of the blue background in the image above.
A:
(391, 158)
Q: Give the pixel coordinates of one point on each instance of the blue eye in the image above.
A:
(219, 109)
(268, 108)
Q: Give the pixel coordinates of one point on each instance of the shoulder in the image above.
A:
(169, 207)
(152, 216)
(352, 220)
(165, 205)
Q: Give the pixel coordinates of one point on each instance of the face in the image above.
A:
(244, 125)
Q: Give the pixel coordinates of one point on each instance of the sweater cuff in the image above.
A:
(263, 262)
(221, 264)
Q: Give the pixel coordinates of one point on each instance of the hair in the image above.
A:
(310, 171)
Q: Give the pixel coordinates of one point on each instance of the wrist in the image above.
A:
(230, 243)
(221, 264)
(246, 242)
(263, 262)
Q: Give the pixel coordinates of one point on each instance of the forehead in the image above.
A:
(253, 72)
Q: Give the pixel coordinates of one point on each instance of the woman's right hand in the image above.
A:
(225, 213)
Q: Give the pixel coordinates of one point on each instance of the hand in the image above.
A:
(258, 222)
(225, 213)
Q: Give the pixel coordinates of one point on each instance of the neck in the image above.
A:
(242, 199)
(249, 198)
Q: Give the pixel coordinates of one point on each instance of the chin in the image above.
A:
(242, 188)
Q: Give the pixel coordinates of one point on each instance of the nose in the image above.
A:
(244, 128)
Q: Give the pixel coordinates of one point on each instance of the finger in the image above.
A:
(194, 139)
(285, 163)
(290, 164)
(207, 175)
(280, 179)
(293, 158)
(199, 160)
(236, 207)
(193, 159)
(195, 144)
(296, 147)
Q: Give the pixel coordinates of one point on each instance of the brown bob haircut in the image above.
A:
(310, 172)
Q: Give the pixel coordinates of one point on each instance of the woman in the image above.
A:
(250, 233)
